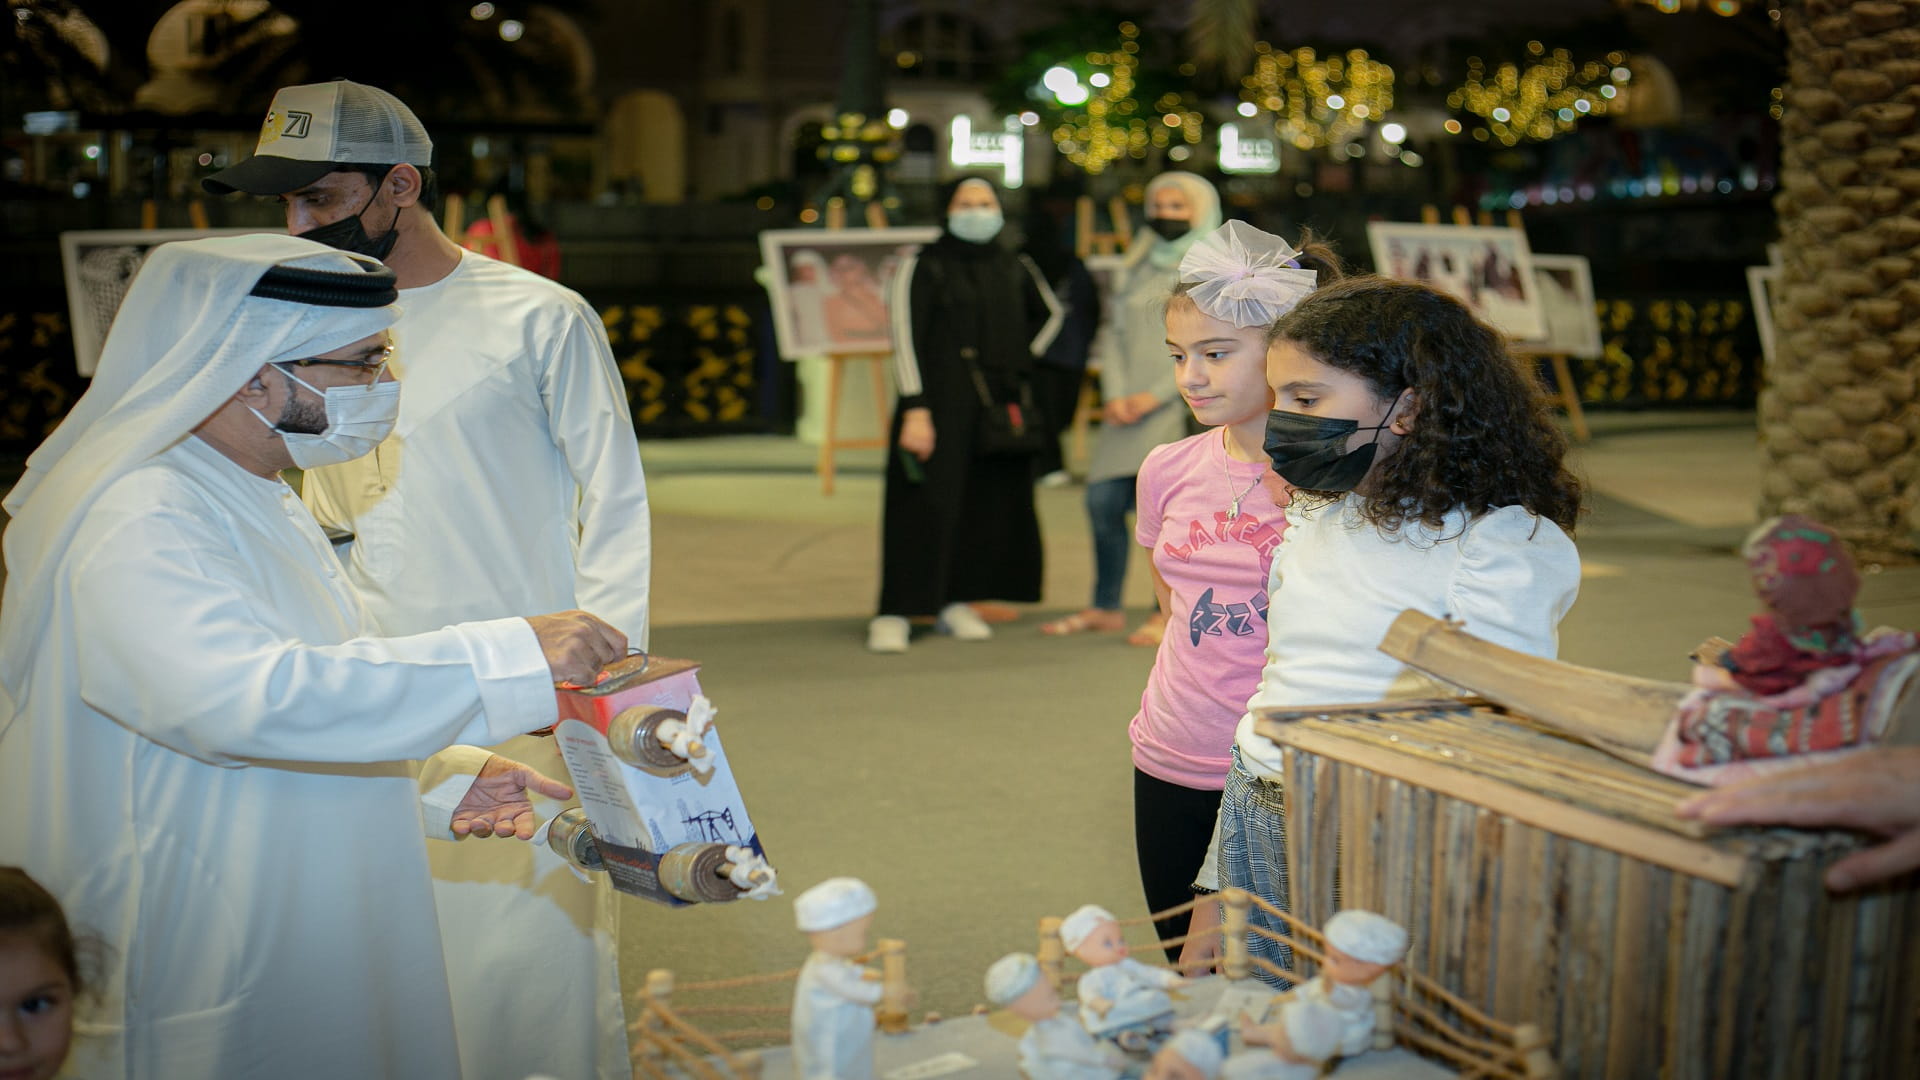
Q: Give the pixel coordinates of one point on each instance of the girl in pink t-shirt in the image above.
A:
(1212, 528)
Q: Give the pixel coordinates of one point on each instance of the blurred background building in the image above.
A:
(657, 139)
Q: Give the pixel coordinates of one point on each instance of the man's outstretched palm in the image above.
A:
(498, 804)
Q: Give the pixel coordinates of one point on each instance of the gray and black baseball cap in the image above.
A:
(311, 129)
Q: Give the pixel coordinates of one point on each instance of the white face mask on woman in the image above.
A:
(976, 225)
(358, 417)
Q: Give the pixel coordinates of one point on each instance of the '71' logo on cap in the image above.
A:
(293, 125)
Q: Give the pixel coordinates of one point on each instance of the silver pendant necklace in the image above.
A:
(1226, 469)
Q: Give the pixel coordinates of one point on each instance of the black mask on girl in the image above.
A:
(1310, 452)
(348, 234)
(1168, 228)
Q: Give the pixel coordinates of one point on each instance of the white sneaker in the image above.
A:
(964, 623)
(1056, 478)
(888, 634)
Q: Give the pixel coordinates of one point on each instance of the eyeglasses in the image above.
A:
(376, 365)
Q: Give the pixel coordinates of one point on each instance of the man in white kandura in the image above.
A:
(511, 484)
(204, 745)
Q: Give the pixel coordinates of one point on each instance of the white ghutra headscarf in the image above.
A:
(186, 339)
(1243, 276)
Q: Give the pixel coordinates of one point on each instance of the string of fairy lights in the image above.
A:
(1322, 101)
(1547, 97)
(1102, 121)
(1317, 102)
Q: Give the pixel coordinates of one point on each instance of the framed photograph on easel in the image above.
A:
(99, 265)
(1762, 281)
(829, 287)
(1489, 268)
(1565, 286)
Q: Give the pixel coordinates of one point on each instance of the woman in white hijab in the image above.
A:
(1142, 407)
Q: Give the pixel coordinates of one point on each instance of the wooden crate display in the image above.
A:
(1539, 877)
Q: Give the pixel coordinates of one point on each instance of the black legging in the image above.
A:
(1172, 826)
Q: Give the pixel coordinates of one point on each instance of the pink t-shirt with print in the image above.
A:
(1216, 642)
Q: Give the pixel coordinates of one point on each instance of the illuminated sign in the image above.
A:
(1005, 149)
(1244, 153)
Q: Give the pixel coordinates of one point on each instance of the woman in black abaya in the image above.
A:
(959, 524)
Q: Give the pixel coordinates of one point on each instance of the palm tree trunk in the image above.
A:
(1839, 427)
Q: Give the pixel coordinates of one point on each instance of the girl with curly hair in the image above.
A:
(1427, 474)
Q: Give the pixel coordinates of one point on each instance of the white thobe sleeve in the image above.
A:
(175, 650)
(445, 778)
(592, 425)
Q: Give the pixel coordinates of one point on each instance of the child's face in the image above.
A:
(1302, 384)
(1342, 968)
(1219, 367)
(1103, 946)
(36, 1011)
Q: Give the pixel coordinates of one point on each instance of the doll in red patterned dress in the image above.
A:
(1805, 577)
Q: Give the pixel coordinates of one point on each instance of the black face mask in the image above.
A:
(1310, 452)
(1168, 228)
(348, 234)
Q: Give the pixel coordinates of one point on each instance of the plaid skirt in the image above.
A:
(1253, 856)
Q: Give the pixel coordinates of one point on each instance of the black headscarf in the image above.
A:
(951, 245)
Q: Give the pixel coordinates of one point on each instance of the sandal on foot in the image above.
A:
(1149, 633)
(994, 613)
(1091, 620)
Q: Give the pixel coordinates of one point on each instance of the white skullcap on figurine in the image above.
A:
(1199, 1048)
(1075, 927)
(1010, 976)
(1367, 937)
(1313, 1030)
(833, 902)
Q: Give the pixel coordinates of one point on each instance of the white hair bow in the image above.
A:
(1244, 276)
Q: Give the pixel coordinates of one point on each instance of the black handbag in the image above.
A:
(1008, 428)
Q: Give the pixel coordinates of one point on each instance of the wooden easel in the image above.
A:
(1088, 239)
(1566, 394)
(830, 440)
(460, 232)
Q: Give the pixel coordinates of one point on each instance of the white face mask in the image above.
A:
(975, 224)
(358, 417)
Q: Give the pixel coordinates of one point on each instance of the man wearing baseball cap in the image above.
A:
(511, 481)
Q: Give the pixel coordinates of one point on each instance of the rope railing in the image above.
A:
(1413, 1009)
(1415, 980)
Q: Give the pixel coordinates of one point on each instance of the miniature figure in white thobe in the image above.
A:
(1361, 946)
(511, 485)
(1055, 1046)
(1120, 998)
(203, 739)
(1193, 1054)
(833, 1002)
(1297, 1042)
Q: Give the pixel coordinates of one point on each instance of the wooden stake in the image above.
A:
(1382, 991)
(1052, 952)
(894, 991)
(1233, 932)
